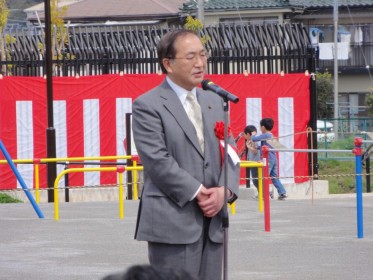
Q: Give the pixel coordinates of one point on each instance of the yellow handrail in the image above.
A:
(259, 165)
(134, 168)
(94, 169)
(37, 162)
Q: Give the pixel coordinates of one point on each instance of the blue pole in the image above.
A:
(20, 180)
(359, 187)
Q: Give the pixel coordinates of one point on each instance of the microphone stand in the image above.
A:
(225, 221)
(208, 85)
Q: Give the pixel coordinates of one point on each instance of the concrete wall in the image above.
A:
(320, 189)
(354, 83)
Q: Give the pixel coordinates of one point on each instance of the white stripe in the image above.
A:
(25, 140)
(254, 112)
(91, 126)
(286, 137)
(123, 106)
(59, 119)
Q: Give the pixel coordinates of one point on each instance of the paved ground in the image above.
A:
(307, 241)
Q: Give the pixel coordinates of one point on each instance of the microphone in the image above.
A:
(209, 85)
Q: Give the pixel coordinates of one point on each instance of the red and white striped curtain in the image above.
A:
(89, 118)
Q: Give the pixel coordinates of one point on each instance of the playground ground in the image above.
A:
(308, 240)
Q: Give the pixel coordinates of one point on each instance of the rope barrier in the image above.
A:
(310, 177)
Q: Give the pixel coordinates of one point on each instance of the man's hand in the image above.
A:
(202, 196)
(211, 200)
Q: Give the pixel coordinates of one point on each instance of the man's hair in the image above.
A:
(166, 46)
(250, 129)
(268, 123)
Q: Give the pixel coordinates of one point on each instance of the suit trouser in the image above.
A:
(202, 259)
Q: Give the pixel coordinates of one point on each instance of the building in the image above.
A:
(355, 37)
(113, 12)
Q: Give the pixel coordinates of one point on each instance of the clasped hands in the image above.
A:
(211, 200)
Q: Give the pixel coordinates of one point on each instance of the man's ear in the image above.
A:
(167, 65)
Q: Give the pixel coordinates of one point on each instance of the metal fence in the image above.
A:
(96, 50)
(342, 137)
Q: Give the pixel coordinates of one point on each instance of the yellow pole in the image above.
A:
(37, 183)
(121, 206)
(3, 161)
(55, 193)
(260, 188)
(134, 182)
(233, 208)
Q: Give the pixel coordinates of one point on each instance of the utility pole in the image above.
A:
(201, 10)
(51, 133)
(336, 106)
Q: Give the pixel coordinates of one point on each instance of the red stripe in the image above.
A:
(40, 123)
(8, 133)
(75, 139)
(108, 137)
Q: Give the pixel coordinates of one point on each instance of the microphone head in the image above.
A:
(205, 84)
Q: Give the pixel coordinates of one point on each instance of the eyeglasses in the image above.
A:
(192, 57)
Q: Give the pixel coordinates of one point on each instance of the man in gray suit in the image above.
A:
(180, 213)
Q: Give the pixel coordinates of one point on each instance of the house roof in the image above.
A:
(211, 5)
(123, 10)
(131, 10)
(330, 3)
(237, 4)
(40, 7)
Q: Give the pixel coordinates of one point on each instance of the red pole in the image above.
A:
(267, 214)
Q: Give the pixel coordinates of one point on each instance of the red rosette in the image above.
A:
(219, 132)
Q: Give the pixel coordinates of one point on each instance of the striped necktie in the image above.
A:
(194, 112)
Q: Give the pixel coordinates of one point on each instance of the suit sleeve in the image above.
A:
(164, 171)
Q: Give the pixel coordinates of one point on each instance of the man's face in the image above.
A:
(188, 67)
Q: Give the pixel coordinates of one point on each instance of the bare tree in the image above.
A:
(4, 12)
(59, 32)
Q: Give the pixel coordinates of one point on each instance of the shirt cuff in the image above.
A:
(194, 196)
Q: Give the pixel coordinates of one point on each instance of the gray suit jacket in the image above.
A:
(174, 166)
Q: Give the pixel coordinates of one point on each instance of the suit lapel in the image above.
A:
(173, 105)
(207, 113)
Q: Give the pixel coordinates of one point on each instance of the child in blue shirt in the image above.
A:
(266, 126)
